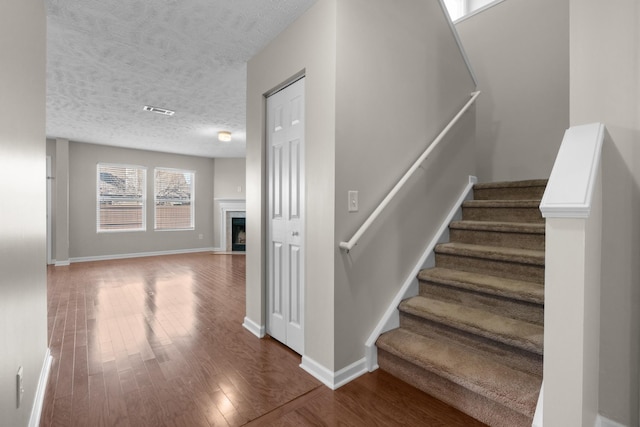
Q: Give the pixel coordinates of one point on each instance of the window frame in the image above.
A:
(192, 198)
(142, 200)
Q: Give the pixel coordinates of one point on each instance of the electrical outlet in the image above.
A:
(19, 387)
(353, 201)
(200, 236)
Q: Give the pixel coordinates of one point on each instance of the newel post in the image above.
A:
(572, 206)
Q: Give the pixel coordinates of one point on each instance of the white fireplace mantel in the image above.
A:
(228, 206)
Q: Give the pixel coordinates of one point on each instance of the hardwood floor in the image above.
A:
(158, 342)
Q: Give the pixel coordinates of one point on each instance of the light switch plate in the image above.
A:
(353, 201)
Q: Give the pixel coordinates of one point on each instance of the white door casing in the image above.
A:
(49, 213)
(285, 252)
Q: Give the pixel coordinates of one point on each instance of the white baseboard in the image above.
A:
(138, 255)
(391, 318)
(605, 422)
(62, 263)
(36, 409)
(538, 415)
(371, 356)
(331, 379)
(253, 327)
(350, 373)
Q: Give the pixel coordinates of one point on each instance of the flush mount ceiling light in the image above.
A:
(224, 136)
(158, 110)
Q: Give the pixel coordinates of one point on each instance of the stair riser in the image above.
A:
(509, 270)
(529, 312)
(502, 239)
(511, 193)
(467, 401)
(428, 322)
(508, 355)
(510, 214)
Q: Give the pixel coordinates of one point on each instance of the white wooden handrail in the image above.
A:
(354, 240)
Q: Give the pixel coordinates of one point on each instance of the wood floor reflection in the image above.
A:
(158, 342)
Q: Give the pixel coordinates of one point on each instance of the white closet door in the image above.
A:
(285, 142)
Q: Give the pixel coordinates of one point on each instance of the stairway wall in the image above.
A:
(519, 50)
(400, 79)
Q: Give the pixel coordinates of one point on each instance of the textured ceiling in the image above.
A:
(106, 59)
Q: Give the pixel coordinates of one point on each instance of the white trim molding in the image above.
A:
(456, 36)
(331, 379)
(478, 11)
(538, 415)
(571, 184)
(391, 317)
(137, 255)
(228, 205)
(61, 263)
(256, 329)
(605, 422)
(38, 403)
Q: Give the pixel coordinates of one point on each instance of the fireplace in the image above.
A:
(231, 209)
(234, 231)
(238, 234)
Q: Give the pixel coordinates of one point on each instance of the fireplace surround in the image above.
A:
(232, 210)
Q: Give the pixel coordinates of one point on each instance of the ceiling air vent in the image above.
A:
(158, 110)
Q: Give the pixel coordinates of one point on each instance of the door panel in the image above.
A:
(285, 148)
(294, 306)
(276, 171)
(294, 179)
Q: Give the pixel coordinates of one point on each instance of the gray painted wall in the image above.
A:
(519, 50)
(400, 79)
(370, 113)
(228, 183)
(84, 241)
(309, 46)
(217, 178)
(605, 87)
(61, 180)
(51, 152)
(23, 286)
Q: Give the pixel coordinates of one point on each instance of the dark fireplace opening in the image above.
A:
(238, 235)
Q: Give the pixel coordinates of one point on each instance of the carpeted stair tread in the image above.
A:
(523, 235)
(514, 332)
(474, 335)
(512, 388)
(501, 204)
(496, 253)
(511, 184)
(499, 226)
(482, 283)
(507, 210)
(518, 190)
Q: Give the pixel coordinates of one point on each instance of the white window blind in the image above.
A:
(174, 192)
(121, 191)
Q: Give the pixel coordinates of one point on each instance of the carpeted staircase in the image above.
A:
(473, 336)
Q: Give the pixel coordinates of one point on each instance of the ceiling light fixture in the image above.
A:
(224, 136)
(158, 110)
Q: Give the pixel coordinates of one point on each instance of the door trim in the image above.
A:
(50, 179)
(284, 221)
